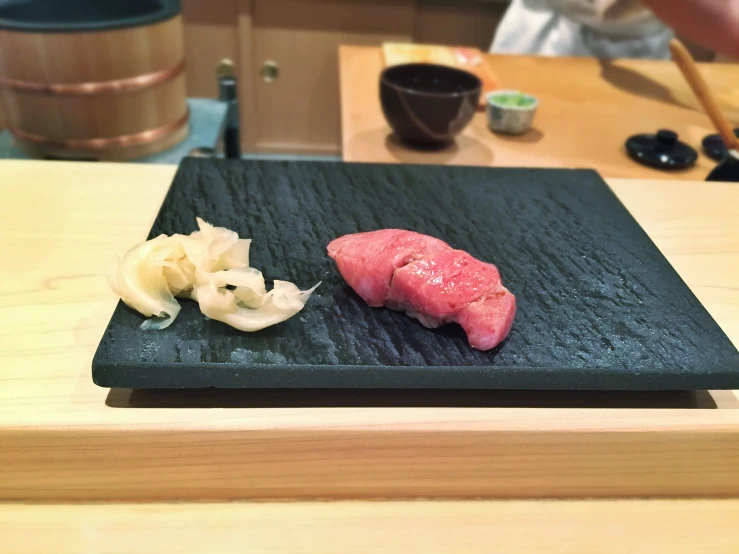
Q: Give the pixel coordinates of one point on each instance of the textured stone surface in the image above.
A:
(599, 307)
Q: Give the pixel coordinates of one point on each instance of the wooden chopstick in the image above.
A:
(689, 69)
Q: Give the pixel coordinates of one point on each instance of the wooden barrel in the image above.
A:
(93, 79)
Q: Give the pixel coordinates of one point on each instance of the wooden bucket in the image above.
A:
(93, 79)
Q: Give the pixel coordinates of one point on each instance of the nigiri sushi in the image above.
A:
(428, 280)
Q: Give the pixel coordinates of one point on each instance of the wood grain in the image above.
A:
(472, 527)
(247, 78)
(211, 34)
(298, 111)
(63, 438)
(94, 57)
(588, 108)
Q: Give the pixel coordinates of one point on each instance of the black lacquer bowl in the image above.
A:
(428, 104)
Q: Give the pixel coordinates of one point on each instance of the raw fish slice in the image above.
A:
(488, 321)
(439, 286)
(429, 281)
(368, 260)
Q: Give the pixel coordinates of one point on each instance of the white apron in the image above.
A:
(598, 28)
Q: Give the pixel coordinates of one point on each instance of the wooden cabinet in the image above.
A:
(297, 110)
(211, 34)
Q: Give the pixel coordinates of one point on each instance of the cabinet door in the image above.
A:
(298, 110)
(211, 34)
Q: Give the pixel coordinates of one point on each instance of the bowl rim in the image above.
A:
(476, 90)
(490, 100)
(164, 10)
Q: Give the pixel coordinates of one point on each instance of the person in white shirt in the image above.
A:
(616, 28)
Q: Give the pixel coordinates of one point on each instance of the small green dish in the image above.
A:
(510, 112)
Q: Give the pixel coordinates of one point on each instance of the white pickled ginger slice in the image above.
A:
(139, 280)
(180, 276)
(238, 277)
(217, 248)
(177, 268)
(210, 266)
(281, 303)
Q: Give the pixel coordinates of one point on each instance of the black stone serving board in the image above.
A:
(599, 307)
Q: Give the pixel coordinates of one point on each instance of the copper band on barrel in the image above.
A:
(115, 86)
(122, 141)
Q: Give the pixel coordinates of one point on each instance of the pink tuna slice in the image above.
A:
(367, 261)
(427, 279)
(488, 321)
(441, 285)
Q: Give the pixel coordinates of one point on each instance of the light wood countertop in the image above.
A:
(63, 438)
(442, 527)
(587, 110)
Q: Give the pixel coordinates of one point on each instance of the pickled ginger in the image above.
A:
(209, 266)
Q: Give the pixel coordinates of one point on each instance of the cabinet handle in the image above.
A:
(225, 68)
(269, 71)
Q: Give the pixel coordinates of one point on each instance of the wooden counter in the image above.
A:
(427, 527)
(62, 438)
(588, 108)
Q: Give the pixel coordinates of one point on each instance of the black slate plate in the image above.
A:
(599, 307)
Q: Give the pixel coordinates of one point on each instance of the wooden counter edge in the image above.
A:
(433, 527)
(466, 461)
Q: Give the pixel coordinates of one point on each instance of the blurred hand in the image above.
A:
(710, 23)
